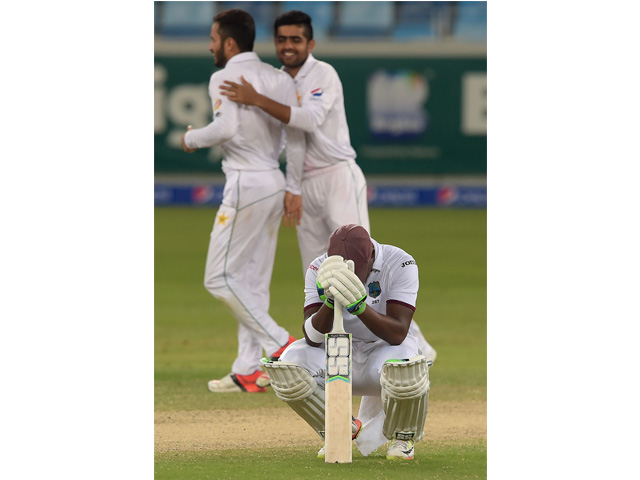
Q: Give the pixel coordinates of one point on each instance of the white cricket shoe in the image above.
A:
(321, 452)
(263, 380)
(234, 383)
(400, 450)
(224, 385)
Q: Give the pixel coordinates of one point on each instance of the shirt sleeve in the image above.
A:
(295, 146)
(225, 119)
(316, 102)
(311, 296)
(405, 284)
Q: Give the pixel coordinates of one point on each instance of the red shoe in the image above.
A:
(356, 428)
(263, 380)
(276, 356)
(234, 382)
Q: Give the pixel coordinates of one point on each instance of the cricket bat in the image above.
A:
(337, 399)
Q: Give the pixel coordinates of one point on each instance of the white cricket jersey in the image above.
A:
(250, 138)
(321, 115)
(393, 279)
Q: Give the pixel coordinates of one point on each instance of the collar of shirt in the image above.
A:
(309, 63)
(243, 57)
(377, 262)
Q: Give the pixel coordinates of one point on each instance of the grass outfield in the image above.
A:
(195, 341)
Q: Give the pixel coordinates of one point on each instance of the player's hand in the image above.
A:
(329, 265)
(292, 209)
(240, 93)
(184, 145)
(348, 291)
(325, 295)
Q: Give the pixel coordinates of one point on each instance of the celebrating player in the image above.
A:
(389, 368)
(334, 190)
(243, 241)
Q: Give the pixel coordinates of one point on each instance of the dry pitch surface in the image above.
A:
(204, 430)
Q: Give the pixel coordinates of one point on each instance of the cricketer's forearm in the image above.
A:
(273, 108)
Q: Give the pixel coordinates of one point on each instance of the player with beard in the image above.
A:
(334, 190)
(243, 241)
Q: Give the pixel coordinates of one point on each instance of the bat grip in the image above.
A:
(338, 325)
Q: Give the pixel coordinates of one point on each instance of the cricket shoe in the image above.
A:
(400, 450)
(356, 428)
(263, 380)
(234, 383)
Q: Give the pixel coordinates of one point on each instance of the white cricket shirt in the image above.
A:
(321, 115)
(250, 138)
(393, 279)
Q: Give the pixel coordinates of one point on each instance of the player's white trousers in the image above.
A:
(366, 360)
(331, 197)
(240, 260)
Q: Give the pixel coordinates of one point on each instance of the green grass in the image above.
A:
(443, 462)
(195, 337)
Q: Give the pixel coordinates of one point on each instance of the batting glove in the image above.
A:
(325, 295)
(348, 291)
(358, 308)
(329, 266)
(334, 262)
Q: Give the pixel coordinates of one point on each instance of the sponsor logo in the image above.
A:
(374, 289)
(317, 92)
(202, 194)
(313, 267)
(217, 104)
(396, 104)
(447, 195)
(410, 262)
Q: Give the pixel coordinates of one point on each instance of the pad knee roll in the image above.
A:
(405, 397)
(298, 389)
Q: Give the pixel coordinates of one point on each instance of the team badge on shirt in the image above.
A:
(374, 289)
(317, 92)
(216, 107)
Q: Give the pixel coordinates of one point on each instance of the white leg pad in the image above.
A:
(298, 389)
(405, 397)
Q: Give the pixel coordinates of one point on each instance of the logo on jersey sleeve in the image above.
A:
(222, 218)
(216, 107)
(374, 289)
(317, 92)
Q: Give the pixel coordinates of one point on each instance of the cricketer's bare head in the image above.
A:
(233, 32)
(353, 242)
(293, 35)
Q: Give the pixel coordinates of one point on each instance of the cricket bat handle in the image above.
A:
(338, 323)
